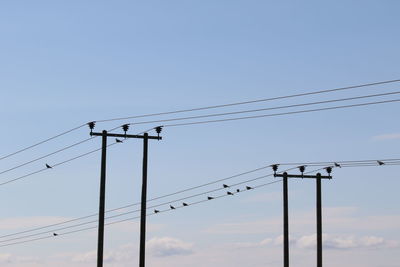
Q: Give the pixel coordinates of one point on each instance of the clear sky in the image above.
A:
(64, 63)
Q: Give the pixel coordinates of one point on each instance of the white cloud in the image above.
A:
(383, 137)
(335, 219)
(13, 259)
(5, 258)
(157, 247)
(329, 242)
(344, 242)
(167, 246)
(120, 254)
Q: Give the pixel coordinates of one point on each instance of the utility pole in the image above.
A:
(145, 137)
(100, 240)
(318, 177)
(142, 249)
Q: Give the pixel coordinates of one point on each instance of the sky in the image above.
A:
(66, 63)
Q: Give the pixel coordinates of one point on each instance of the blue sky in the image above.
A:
(64, 63)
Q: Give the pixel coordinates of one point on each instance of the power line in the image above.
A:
(265, 109)
(203, 108)
(47, 155)
(137, 217)
(42, 142)
(341, 162)
(55, 165)
(134, 211)
(62, 162)
(150, 200)
(253, 101)
(231, 119)
(161, 211)
(282, 114)
(203, 116)
(356, 164)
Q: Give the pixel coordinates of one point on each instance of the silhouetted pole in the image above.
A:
(318, 178)
(100, 241)
(319, 221)
(145, 138)
(142, 252)
(285, 221)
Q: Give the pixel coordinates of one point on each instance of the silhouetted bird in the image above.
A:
(380, 162)
(48, 166)
(156, 211)
(225, 185)
(117, 140)
(337, 165)
(209, 198)
(55, 234)
(172, 207)
(185, 204)
(249, 187)
(229, 193)
(238, 190)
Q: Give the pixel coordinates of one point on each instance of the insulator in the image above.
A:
(329, 170)
(302, 168)
(158, 129)
(275, 167)
(125, 127)
(91, 125)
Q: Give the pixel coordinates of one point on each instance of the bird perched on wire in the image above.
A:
(337, 165)
(225, 185)
(55, 234)
(229, 193)
(185, 204)
(172, 207)
(118, 140)
(209, 198)
(48, 166)
(380, 162)
(249, 187)
(156, 211)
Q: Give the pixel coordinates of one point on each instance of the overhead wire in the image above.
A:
(47, 155)
(54, 165)
(265, 109)
(150, 200)
(136, 217)
(203, 108)
(281, 114)
(330, 164)
(123, 220)
(228, 119)
(253, 101)
(42, 142)
(62, 162)
(356, 163)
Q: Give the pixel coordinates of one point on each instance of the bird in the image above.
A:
(249, 187)
(172, 207)
(55, 234)
(380, 162)
(156, 211)
(118, 140)
(237, 190)
(337, 165)
(229, 193)
(225, 185)
(48, 166)
(185, 204)
(209, 198)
